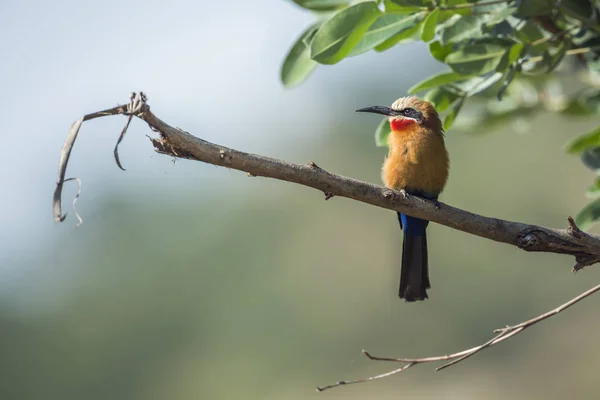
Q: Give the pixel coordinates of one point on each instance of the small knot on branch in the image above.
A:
(225, 156)
(388, 194)
(573, 229)
(528, 241)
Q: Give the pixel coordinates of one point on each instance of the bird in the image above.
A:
(417, 164)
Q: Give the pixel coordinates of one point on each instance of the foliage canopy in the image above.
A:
(509, 53)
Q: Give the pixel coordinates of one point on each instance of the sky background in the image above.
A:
(212, 67)
(190, 281)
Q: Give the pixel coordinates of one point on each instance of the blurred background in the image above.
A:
(188, 281)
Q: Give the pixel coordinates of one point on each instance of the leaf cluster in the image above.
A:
(505, 52)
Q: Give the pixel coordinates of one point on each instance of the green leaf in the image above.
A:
(310, 34)
(402, 35)
(557, 57)
(447, 14)
(488, 7)
(588, 215)
(476, 84)
(510, 76)
(336, 38)
(578, 8)
(441, 98)
(583, 142)
(505, 113)
(413, 3)
(594, 190)
(391, 7)
(528, 33)
(576, 108)
(298, 65)
(516, 51)
(435, 81)
(451, 116)
(428, 32)
(382, 132)
(459, 28)
(385, 27)
(591, 158)
(322, 5)
(511, 56)
(478, 58)
(584, 104)
(532, 8)
(500, 16)
(438, 51)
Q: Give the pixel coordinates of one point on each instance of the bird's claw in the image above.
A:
(404, 194)
(436, 204)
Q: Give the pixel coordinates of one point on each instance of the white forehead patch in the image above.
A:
(400, 103)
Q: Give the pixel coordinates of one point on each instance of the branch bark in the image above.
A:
(178, 143)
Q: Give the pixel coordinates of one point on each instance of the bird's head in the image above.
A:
(408, 113)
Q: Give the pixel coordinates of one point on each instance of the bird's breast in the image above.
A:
(416, 162)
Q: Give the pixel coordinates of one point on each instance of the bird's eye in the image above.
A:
(408, 112)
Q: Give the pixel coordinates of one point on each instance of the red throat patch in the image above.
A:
(401, 124)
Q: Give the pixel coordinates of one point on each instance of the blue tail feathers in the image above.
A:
(414, 275)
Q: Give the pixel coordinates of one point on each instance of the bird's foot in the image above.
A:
(436, 204)
(404, 194)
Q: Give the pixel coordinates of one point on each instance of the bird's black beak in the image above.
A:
(390, 112)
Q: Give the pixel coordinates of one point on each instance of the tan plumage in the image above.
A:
(417, 159)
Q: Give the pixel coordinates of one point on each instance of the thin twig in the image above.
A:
(79, 219)
(369, 379)
(502, 335)
(550, 313)
(572, 52)
(473, 5)
(435, 5)
(554, 36)
(121, 136)
(65, 153)
(135, 105)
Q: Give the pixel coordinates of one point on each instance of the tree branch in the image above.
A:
(178, 143)
(502, 335)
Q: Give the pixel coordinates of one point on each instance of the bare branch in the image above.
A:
(178, 143)
(79, 219)
(502, 335)
(121, 136)
(369, 379)
(65, 153)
